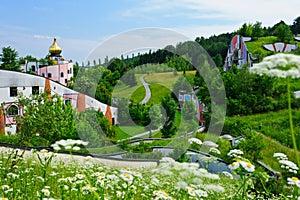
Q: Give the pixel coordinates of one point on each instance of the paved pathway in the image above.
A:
(73, 159)
(148, 92)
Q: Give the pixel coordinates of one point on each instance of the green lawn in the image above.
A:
(276, 131)
(127, 131)
(138, 95)
(257, 45)
(161, 85)
(158, 92)
(166, 79)
(122, 90)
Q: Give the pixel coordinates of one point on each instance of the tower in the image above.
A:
(55, 52)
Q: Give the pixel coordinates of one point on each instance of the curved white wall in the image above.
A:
(24, 83)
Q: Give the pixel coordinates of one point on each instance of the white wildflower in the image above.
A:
(195, 140)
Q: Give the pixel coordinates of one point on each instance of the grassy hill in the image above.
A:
(161, 85)
(256, 46)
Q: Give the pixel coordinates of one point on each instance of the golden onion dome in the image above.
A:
(54, 48)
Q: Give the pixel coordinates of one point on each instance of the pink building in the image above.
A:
(60, 71)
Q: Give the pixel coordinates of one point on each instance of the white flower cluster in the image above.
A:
(285, 163)
(45, 154)
(278, 65)
(245, 165)
(88, 189)
(69, 144)
(289, 165)
(195, 140)
(160, 194)
(199, 193)
(214, 150)
(235, 153)
(280, 156)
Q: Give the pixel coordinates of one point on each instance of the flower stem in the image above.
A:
(291, 122)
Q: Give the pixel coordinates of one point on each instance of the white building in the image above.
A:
(13, 82)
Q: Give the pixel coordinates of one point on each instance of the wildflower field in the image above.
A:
(41, 176)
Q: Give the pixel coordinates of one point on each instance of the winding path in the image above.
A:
(148, 92)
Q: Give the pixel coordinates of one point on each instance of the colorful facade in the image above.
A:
(281, 47)
(185, 96)
(237, 53)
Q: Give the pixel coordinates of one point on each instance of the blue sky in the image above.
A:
(80, 25)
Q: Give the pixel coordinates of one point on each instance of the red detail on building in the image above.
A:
(2, 122)
(274, 47)
(201, 114)
(108, 114)
(47, 88)
(81, 102)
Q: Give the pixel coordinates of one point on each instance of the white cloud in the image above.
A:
(38, 45)
(135, 40)
(47, 37)
(268, 12)
(194, 31)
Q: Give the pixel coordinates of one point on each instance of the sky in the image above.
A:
(28, 26)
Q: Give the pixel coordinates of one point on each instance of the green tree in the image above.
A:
(181, 84)
(179, 63)
(8, 59)
(123, 110)
(296, 26)
(156, 119)
(257, 30)
(129, 79)
(246, 30)
(168, 129)
(28, 58)
(170, 106)
(189, 110)
(284, 33)
(45, 120)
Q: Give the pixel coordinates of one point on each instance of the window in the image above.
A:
(61, 74)
(43, 74)
(13, 91)
(49, 75)
(12, 110)
(35, 89)
(66, 80)
(70, 70)
(33, 68)
(67, 101)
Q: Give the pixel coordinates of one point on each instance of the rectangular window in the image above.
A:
(35, 90)
(66, 80)
(49, 75)
(13, 91)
